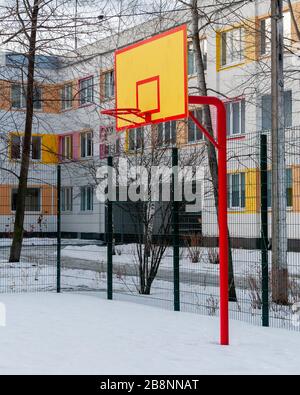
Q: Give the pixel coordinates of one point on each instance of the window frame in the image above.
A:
(21, 138)
(163, 125)
(109, 142)
(138, 141)
(192, 57)
(15, 147)
(84, 204)
(224, 45)
(230, 117)
(242, 191)
(83, 100)
(66, 206)
(66, 101)
(109, 86)
(196, 131)
(22, 97)
(266, 37)
(268, 111)
(65, 147)
(40, 148)
(15, 191)
(86, 145)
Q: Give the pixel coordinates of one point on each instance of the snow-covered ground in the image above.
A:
(83, 268)
(246, 262)
(83, 334)
(43, 241)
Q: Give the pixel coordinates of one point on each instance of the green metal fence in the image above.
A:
(173, 262)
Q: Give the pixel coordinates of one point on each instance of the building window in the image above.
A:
(86, 144)
(18, 97)
(289, 187)
(86, 88)
(265, 33)
(86, 198)
(109, 85)
(266, 111)
(37, 98)
(167, 133)
(109, 142)
(192, 56)
(66, 147)
(136, 139)
(194, 133)
(67, 97)
(16, 147)
(16, 143)
(235, 117)
(36, 147)
(265, 36)
(236, 190)
(66, 199)
(232, 46)
(32, 199)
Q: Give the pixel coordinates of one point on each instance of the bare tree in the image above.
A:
(30, 29)
(16, 246)
(151, 214)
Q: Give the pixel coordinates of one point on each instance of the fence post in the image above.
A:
(109, 231)
(58, 256)
(264, 228)
(175, 228)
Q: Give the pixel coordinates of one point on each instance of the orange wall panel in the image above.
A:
(5, 93)
(5, 200)
(49, 206)
(296, 188)
(51, 98)
(296, 10)
(181, 135)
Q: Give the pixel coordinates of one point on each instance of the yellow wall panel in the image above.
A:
(251, 40)
(251, 191)
(50, 149)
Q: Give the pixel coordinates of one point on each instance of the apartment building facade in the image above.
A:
(68, 128)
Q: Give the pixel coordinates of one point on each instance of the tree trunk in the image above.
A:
(16, 247)
(279, 226)
(211, 151)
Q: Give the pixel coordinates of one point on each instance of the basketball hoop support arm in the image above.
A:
(220, 144)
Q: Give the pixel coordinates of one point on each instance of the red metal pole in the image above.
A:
(222, 214)
(223, 226)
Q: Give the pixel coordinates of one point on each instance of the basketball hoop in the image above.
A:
(120, 113)
(151, 87)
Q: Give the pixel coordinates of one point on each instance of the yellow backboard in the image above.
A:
(151, 76)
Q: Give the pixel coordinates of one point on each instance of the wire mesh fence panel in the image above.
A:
(284, 254)
(143, 259)
(165, 251)
(83, 250)
(36, 268)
